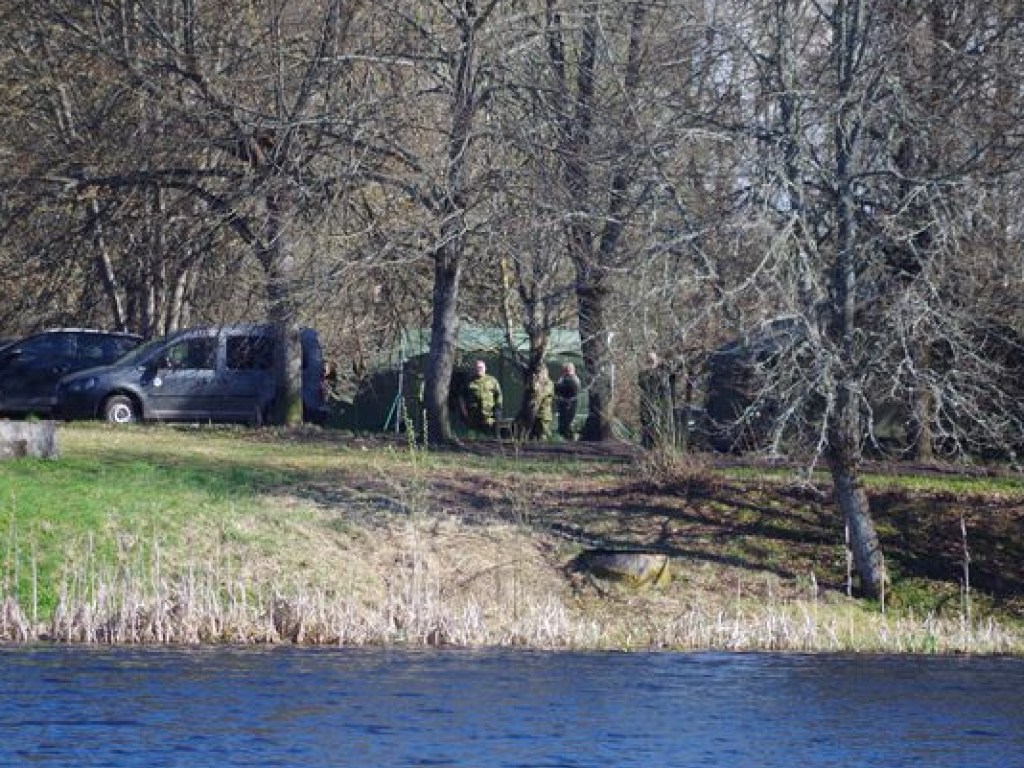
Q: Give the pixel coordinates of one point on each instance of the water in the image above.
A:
(300, 707)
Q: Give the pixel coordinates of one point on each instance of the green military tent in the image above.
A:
(387, 395)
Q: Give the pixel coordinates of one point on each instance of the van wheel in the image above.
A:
(120, 409)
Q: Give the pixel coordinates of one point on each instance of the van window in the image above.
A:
(250, 353)
(194, 354)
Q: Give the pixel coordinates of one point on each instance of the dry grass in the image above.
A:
(418, 581)
(430, 580)
(383, 547)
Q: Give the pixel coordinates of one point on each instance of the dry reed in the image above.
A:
(439, 583)
(406, 571)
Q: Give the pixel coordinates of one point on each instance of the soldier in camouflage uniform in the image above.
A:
(545, 403)
(481, 402)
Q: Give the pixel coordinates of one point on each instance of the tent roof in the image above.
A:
(563, 341)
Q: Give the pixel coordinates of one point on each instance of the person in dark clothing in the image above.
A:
(567, 391)
(655, 404)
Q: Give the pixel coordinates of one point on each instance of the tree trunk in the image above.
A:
(844, 453)
(867, 553)
(593, 249)
(278, 266)
(534, 378)
(448, 258)
(844, 433)
(444, 332)
(921, 435)
(105, 267)
(595, 338)
(576, 103)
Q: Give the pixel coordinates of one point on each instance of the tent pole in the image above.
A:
(398, 407)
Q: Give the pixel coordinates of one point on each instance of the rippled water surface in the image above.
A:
(296, 707)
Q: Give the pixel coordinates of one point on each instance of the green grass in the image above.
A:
(948, 482)
(173, 485)
(255, 513)
(148, 485)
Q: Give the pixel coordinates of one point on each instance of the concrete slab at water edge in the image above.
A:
(632, 568)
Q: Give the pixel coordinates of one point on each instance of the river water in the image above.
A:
(302, 707)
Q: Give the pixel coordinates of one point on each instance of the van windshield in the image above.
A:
(142, 353)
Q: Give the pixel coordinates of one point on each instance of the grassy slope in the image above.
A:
(239, 535)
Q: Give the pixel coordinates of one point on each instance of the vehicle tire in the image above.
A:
(120, 409)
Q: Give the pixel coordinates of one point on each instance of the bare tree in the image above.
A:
(249, 114)
(861, 172)
(448, 202)
(595, 63)
(435, 153)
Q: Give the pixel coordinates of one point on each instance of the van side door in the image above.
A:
(245, 387)
(182, 384)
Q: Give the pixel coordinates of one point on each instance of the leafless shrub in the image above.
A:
(670, 466)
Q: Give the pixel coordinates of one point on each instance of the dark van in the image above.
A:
(217, 373)
(31, 367)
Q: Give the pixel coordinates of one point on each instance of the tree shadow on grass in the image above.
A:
(590, 494)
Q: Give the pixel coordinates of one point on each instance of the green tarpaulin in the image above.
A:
(379, 403)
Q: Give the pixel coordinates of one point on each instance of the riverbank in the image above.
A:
(184, 535)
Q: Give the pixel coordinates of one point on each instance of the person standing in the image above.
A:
(655, 404)
(545, 397)
(567, 390)
(482, 402)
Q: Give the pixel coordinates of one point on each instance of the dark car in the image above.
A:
(739, 416)
(219, 373)
(31, 367)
